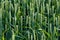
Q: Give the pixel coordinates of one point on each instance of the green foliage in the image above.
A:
(29, 19)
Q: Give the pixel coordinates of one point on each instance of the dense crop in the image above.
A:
(29, 19)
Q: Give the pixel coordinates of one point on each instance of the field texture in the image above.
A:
(29, 19)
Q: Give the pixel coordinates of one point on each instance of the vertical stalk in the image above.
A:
(30, 22)
(17, 29)
(3, 36)
(51, 30)
(31, 37)
(47, 5)
(43, 36)
(21, 22)
(1, 28)
(28, 35)
(34, 34)
(13, 35)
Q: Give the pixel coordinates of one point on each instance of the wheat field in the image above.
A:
(29, 19)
